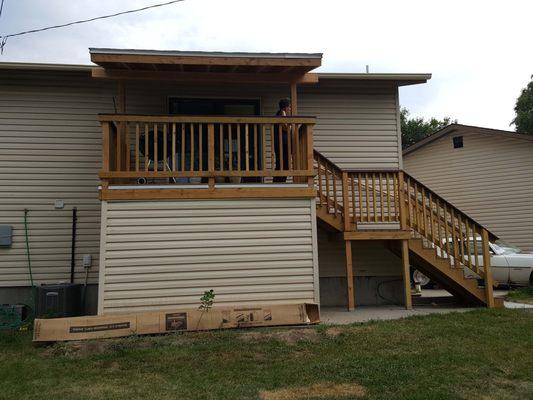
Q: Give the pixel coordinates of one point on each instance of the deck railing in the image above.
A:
(206, 149)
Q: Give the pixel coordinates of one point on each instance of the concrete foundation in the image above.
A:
(22, 295)
(369, 290)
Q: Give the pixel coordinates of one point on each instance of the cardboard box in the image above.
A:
(108, 326)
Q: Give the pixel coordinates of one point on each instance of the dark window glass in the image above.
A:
(457, 142)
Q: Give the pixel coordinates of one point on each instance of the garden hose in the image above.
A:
(9, 317)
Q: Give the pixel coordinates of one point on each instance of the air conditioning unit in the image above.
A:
(59, 300)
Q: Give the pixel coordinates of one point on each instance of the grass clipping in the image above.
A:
(316, 391)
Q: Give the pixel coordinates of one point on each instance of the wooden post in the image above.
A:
(401, 200)
(487, 269)
(294, 99)
(345, 201)
(406, 274)
(349, 275)
(308, 129)
(122, 142)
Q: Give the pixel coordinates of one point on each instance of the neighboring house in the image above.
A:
(169, 160)
(487, 173)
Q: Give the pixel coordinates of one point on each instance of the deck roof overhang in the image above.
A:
(208, 67)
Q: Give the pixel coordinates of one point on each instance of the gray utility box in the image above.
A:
(6, 235)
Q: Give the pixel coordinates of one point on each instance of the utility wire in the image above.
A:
(5, 37)
(1, 7)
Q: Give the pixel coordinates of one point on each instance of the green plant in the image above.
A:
(206, 303)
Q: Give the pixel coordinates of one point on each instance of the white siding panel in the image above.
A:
(148, 266)
(490, 178)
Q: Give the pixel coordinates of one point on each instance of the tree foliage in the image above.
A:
(524, 110)
(416, 129)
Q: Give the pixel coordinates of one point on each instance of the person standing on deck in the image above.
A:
(284, 111)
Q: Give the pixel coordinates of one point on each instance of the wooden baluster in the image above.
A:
(280, 146)
(388, 191)
(174, 147)
(374, 197)
(410, 213)
(298, 164)
(127, 145)
(319, 172)
(256, 166)
(367, 193)
(238, 147)
(381, 202)
(137, 140)
(462, 243)
(327, 185)
(246, 148)
(221, 147)
(165, 149)
(263, 147)
(290, 138)
(230, 148)
(272, 148)
(191, 165)
(474, 236)
(396, 184)
(446, 231)
(118, 148)
(200, 147)
(417, 211)
(424, 211)
(183, 147)
(354, 205)
(360, 190)
(455, 247)
(155, 148)
(468, 249)
(334, 178)
(431, 218)
(146, 139)
(211, 154)
(437, 209)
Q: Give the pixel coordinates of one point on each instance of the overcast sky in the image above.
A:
(479, 52)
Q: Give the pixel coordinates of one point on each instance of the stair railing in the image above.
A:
(454, 235)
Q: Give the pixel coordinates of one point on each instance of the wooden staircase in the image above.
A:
(434, 236)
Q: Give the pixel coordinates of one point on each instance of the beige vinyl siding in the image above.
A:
(50, 151)
(490, 178)
(357, 123)
(370, 258)
(165, 254)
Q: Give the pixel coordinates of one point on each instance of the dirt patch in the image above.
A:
(289, 336)
(503, 389)
(316, 391)
(84, 348)
(334, 332)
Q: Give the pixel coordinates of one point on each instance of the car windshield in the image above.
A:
(506, 248)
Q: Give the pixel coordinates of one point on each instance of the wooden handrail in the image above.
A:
(205, 119)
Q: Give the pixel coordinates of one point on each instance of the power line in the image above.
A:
(5, 37)
(1, 7)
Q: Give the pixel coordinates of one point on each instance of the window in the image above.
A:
(457, 142)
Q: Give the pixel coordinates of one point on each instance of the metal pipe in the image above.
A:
(73, 245)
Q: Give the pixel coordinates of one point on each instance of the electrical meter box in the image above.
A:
(6, 235)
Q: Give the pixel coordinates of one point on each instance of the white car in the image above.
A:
(510, 266)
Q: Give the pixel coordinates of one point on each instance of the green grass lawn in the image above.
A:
(521, 295)
(482, 354)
